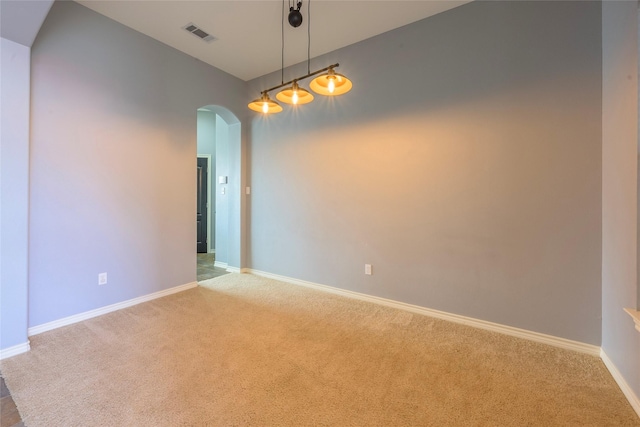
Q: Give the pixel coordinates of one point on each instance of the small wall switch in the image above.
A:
(367, 269)
(248, 190)
(223, 190)
(222, 180)
(102, 279)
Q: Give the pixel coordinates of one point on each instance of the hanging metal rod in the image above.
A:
(301, 78)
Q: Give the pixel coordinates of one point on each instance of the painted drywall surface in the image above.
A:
(113, 147)
(207, 145)
(234, 160)
(222, 199)
(20, 21)
(14, 191)
(464, 166)
(620, 341)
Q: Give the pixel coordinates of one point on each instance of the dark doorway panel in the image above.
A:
(201, 210)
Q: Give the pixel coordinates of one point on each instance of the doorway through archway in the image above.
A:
(219, 192)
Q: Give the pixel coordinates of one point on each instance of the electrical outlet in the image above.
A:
(367, 269)
(102, 279)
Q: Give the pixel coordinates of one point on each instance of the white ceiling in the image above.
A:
(20, 21)
(248, 32)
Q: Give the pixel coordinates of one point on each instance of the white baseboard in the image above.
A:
(15, 350)
(220, 264)
(476, 323)
(108, 309)
(628, 391)
(234, 270)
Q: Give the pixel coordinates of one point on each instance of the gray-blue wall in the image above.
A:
(14, 187)
(222, 199)
(620, 341)
(113, 148)
(465, 166)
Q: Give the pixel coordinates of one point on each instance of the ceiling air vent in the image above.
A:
(199, 32)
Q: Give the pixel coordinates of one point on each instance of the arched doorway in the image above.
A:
(219, 191)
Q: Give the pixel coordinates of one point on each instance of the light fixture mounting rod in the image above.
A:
(302, 78)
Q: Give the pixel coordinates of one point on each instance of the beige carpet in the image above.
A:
(247, 351)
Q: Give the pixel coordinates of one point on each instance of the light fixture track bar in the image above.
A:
(302, 78)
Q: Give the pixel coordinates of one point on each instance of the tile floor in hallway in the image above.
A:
(9, 415)
(206, 269)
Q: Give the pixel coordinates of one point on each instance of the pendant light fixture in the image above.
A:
(294, 95)
(329, 84)
(265, 105)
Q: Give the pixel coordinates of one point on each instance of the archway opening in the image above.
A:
(219, 192)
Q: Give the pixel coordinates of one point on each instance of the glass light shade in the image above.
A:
(322, 84)
(265, 105)
(287, 95)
